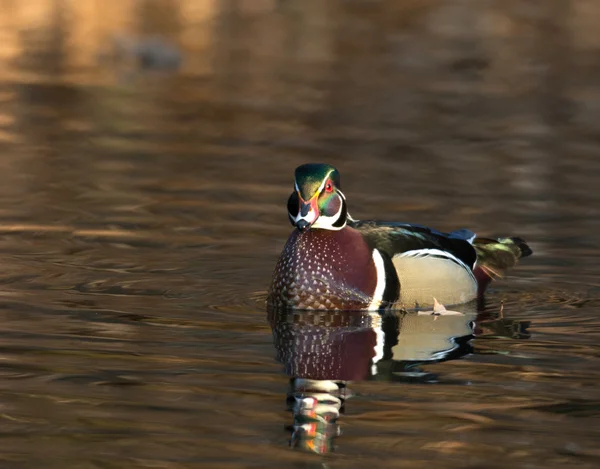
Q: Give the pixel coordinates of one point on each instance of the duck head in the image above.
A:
(317, 200)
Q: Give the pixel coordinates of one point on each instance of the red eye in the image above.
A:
(328, 187)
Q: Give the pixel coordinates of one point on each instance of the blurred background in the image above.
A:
(147, 150)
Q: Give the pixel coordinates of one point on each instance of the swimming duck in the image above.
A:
(332, 261)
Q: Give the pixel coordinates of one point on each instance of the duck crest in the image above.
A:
(324, 269)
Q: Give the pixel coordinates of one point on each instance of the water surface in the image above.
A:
(147, 151)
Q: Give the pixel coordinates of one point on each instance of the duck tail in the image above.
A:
(496, 256)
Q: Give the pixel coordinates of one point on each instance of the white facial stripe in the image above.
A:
(380, 287)
(324, 181)
(348, 217)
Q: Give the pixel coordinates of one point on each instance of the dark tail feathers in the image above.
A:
(522, 245)
(496, 256)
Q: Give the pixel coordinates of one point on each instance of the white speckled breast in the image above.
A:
(324, 269)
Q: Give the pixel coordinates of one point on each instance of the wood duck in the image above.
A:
(332, 261)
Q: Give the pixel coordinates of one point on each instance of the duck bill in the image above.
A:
(308, 212)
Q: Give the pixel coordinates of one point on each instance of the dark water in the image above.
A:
(147, 151)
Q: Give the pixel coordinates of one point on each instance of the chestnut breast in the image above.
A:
(324, 269)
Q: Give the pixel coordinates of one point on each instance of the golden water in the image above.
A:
(147, 151)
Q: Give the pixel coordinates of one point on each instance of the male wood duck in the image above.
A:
(332, 261)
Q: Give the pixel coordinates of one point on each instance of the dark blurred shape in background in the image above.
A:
(150, 53)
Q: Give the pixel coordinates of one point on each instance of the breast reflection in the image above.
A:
(323, 350)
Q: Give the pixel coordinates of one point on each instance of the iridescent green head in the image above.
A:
(317, 200)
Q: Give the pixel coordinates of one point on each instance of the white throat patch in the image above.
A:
(326, 223)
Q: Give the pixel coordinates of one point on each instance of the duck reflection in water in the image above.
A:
(322, 351)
